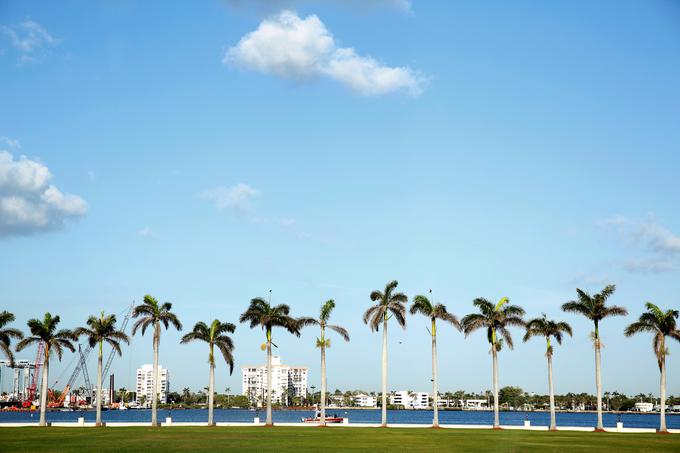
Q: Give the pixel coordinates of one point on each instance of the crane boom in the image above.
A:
(32, 389)
(86, 375)
(109, 359)
(79, 366)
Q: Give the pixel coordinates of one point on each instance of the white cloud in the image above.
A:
(660, 242)
(237, 197)
(294, 48)
(28, 202)
(591, 280)
(146, 232)
(648, 266)
(11, 143)
(647, 233)
(31, 40)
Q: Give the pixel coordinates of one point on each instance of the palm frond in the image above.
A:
(340, 331)
(422, 305)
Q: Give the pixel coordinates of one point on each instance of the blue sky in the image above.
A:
(479, 149)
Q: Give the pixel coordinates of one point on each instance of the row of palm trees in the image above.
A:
(496, 319)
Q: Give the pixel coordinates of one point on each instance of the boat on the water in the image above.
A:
(317, 418)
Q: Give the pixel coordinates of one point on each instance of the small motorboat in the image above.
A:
(317, 418)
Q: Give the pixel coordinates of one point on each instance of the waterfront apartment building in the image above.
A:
(144, 384)
(288, 382)
(364, 400)
(410, 400)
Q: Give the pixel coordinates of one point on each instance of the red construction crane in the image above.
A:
(32, 389)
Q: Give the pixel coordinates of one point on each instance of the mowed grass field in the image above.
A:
(310, 439)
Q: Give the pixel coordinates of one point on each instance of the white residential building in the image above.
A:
(145, 384)
(644, 407)
(415, 400)
(287, 382)
(420, 400)
(474, 404)
(401, 398)
(363, 400)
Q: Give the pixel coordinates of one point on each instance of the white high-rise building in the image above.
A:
(145, 384)
(287, 382)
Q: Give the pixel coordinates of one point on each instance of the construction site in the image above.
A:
(20, 381)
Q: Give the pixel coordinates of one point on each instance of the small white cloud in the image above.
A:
(30, 40)
(591, 280)
(647, 233)
(237, 197)
(11, 143)
(648, 266)
(295, 48)
(287, 222)
(146, 232)
(28, 202)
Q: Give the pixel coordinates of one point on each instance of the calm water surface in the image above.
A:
(630, 420)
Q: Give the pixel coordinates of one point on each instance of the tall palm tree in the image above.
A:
(496, 319)
(216, 336)
(45, 331)
(662, 324)
(261, 313)
(122, 394)
(388, 302)
(322, 343)
(102, 329)
(153, 314)
(7, 334)
(424, 306)
(594, 307)
(543, 327)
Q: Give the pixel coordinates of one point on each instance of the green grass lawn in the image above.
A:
(193, 439)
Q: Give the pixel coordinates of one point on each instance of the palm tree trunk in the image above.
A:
(99, 385)
(269, 378)
(435, 390)
(384, 374)
(598, 384)
(43, 387)
(322, 420)
(496, 418)
(551, 389)
(662, 403)
(211, 394)
(154, 378)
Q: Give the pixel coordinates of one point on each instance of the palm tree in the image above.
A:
(153, 314)
(662, 324)
(496, 319)
(322, 342)
(102, 329)
(6, 335)
(215, 336)
(424, 306)
(122, 393)
(261, 313)
(594, 307)
(388, 302)
(45, 331)
(186, 395)
(543, 327)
